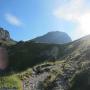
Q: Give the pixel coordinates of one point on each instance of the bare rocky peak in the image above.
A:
(4, 34)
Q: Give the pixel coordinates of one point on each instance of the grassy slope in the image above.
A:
(10, 82)
(26, 55)
(77, 57)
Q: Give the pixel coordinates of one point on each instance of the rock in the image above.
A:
(4, 34)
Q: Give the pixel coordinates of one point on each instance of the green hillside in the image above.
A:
(40, 66)
(27, 54)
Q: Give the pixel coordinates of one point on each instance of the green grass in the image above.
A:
(24, 75)
(10, 82)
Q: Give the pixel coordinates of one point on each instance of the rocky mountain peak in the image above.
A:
(54, 37)
(4, 34)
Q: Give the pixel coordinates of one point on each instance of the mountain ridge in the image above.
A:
(61, 73)
(54, 37)
(43, 66)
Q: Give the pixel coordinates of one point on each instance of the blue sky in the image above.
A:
(26, 19)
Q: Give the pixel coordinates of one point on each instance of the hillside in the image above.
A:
(42, 66)
(55, 37)
(60, 72)
(31, 53)
(52, 66)
(27, 54)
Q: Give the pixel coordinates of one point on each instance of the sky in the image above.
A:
(27, 19)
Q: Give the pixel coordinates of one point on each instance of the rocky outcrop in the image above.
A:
(4, 34)
(5, 38)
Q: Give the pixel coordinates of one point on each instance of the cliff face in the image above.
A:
(5, 37)
(4, 34)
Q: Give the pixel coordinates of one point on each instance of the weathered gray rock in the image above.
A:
(4, 34)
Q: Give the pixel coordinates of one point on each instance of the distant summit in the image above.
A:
(55, 37)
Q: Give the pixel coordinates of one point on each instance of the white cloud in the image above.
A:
(13, 19)
(76, 11)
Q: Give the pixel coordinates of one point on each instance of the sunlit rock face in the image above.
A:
(4, 34)
(3, 58)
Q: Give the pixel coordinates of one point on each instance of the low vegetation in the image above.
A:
(11, 82)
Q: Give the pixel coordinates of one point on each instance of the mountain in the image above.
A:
(32, 53)
(5, 37)
(52, 66)
(55, 37)
(43, 66)
(4, 34)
